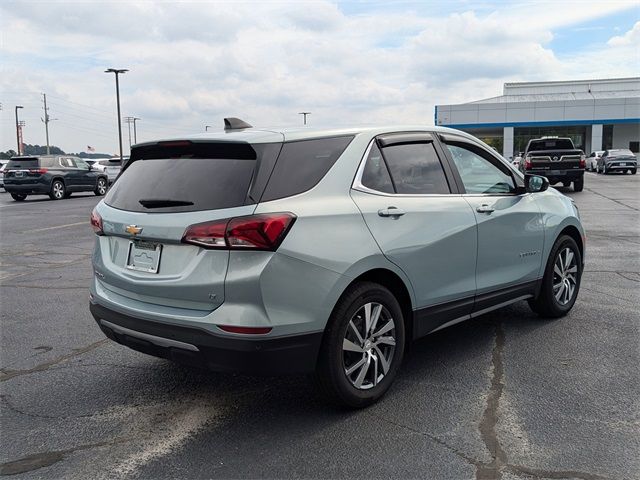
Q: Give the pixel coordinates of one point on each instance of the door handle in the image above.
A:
(484, 208)
(391, 212)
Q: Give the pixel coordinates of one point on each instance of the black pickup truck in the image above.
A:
(557, 159)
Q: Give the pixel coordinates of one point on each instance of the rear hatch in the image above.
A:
(164, 189)
(23, 171)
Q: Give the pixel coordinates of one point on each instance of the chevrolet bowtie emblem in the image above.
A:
(133, 229)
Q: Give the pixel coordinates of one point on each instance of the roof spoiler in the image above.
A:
(233, 123)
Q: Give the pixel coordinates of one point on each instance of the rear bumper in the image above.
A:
(555, 176)
(618, 166)
(197, 347)
(29, 188)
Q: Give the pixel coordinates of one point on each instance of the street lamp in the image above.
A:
(117, 72)
(18, 128)
(304, 114)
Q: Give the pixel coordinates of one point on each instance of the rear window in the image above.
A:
(23, 163)
(301, 165)
(551, 144)
(185, 179)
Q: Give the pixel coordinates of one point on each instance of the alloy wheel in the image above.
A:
(58, 190)
(102, 187)
(565, 279)
(368, 346)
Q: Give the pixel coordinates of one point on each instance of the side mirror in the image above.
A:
(90, 166)
(535, 183)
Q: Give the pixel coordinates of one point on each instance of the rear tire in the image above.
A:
(578, 185)
(633, 172)
(101, 187)
(58, 190)
(18, 197)
(561, 281)
(363, 346)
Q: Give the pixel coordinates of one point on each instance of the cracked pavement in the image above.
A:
(505, 396)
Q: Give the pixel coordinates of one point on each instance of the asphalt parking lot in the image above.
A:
(506, 395)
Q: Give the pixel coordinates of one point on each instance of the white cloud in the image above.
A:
(632, 37)
(193, 63)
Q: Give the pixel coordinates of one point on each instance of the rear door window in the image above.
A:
(375, 174)
(416, 169)
(185, 179)
(302, 164)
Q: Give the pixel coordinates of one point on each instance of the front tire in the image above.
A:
(58, 190)
(363, 346)
(101, 187)
(561, 281)
(633, 172)
(18, 197)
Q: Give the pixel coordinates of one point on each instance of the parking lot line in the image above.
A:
(56, 227)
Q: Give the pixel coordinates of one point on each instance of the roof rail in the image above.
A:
(233, 123)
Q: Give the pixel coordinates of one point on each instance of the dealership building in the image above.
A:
(596, 114)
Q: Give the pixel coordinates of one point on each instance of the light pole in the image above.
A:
(18, 128)
(118, 71)
(304, 114)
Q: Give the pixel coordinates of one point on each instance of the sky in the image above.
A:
(193, 63)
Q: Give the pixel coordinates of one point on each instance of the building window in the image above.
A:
(607, 137)
(634, 146)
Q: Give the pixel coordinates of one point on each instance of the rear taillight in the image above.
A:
(254, 232)
(583, 161)
(96, 222)
(527, 163)
(41, 171)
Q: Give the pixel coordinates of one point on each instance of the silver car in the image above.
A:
(299, 250)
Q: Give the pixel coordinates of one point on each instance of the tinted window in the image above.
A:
(301, 165)
(185, 183)
(478, 173)
(375, 174)
(416, 169)
(551, 144)
(81, 164)
(23, 163)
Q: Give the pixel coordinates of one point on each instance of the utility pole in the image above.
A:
(128, 120)
(46, 121)
(304, 114)
(135, 135)
(18, 128)
(118, 71)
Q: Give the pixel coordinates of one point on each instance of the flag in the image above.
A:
(90, 148)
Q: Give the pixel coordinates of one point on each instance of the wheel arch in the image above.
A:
(574, 233)
(397, 286)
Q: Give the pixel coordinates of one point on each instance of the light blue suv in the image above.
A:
(327, 250)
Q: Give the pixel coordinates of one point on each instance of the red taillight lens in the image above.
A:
(209, 235)
(264, 232)
(245, 330)
(258, 232)
(41, 171)
(96, 222)
(527, 163)
(583, 161)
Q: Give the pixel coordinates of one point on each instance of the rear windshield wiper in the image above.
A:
(163, 202)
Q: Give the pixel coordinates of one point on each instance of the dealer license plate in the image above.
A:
(144, 256)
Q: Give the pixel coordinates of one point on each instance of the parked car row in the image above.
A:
(615, 160)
